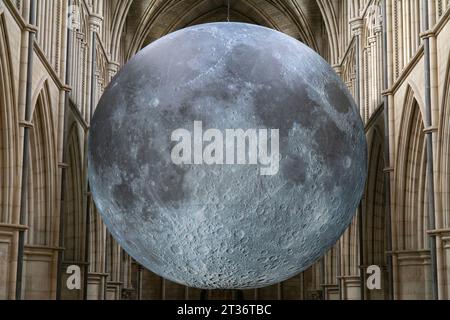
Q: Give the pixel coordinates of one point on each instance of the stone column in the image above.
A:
(25, 110)
(357, 26)
(95, 283)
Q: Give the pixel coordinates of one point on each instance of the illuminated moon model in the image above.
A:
(213, 223)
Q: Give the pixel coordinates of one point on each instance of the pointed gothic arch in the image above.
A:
(117, 25)
(9, 161)
(374, 201)
(97, 242)
(42, 219)
(74, 221)
(410, 214)
(375, 236)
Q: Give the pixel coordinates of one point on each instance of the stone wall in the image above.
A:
(80, 45)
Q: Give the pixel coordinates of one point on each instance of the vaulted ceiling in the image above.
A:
(140, 22)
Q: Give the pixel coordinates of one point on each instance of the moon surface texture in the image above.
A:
(225, 224)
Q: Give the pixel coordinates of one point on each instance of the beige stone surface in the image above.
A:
(341, 31)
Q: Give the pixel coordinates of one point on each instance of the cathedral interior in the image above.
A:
(58, 56)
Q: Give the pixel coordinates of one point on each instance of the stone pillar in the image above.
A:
(412, 275)
(351, 287)
(95, 23)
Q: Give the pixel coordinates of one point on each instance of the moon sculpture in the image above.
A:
(186, 205)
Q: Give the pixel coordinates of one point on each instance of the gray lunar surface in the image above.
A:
(227, 226)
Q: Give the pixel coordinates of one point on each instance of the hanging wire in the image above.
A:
(228, 13)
